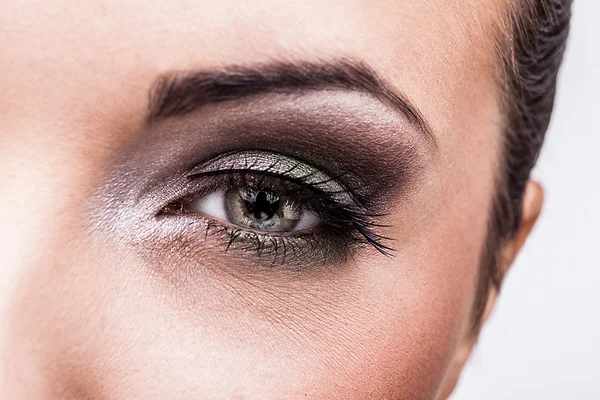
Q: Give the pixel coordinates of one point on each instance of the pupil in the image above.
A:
(263, 206)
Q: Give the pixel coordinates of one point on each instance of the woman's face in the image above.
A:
(207, 235)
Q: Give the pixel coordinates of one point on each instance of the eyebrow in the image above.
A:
(182, 92)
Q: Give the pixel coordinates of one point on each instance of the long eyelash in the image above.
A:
(363, 224)
(279, 247)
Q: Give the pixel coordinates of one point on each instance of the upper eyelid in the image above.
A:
(275, 165)
(377, 169)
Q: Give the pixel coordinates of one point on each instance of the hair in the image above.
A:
(531, 56)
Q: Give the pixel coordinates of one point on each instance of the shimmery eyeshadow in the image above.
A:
(276, 164)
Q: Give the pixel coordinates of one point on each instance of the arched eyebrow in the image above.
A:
(182, 92)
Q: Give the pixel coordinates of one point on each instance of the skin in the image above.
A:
(82, 315)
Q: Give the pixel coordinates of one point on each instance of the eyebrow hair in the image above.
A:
(182, 92)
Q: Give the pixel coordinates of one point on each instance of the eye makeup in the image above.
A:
(342, 156)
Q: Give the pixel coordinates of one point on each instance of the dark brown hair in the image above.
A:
(531, 54)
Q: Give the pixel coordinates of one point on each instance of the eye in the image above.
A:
(266, 202)
(259, 209)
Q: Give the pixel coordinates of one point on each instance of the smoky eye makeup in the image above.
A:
(279, 182)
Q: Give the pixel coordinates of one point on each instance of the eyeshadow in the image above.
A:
(275, 164)
(351, 137)
(357, 144)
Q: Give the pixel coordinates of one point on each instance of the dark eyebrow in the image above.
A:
(179, 93)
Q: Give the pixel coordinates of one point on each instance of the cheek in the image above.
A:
(383, 328)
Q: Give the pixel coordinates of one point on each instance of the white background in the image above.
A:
(543, 341)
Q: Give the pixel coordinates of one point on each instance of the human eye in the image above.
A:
(278, 207)
(256, 208)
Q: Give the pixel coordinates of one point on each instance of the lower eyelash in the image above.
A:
(323, 247)
(276, 248)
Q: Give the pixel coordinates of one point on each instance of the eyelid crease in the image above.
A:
(278, 165)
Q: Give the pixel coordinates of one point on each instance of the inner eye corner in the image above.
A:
(173, 208)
